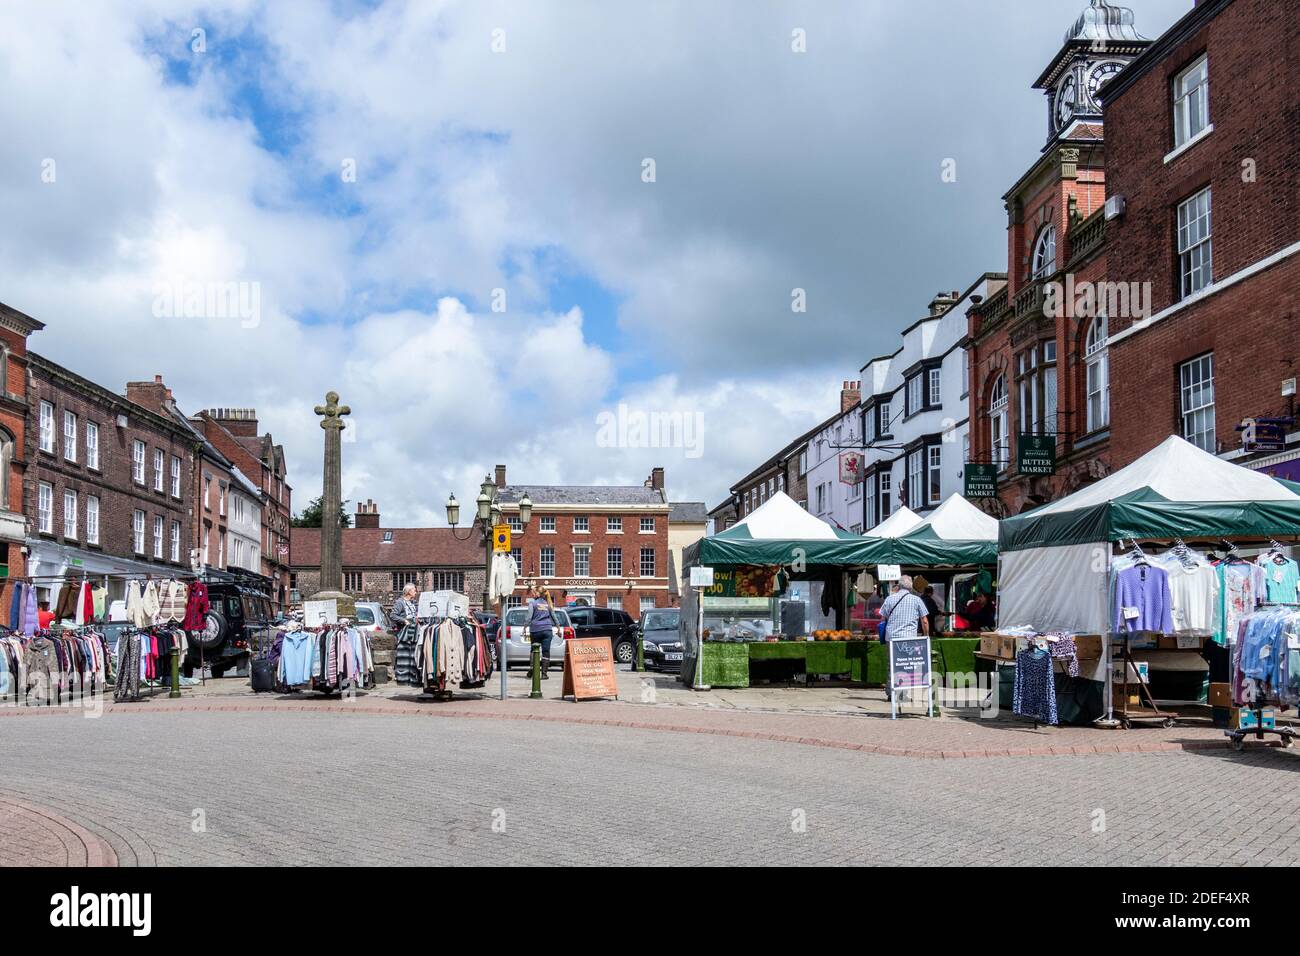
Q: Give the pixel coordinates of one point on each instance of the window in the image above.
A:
(221, 506)
(614, 563)
(803, 462)
(352, 581)
(886, 427)
(780, 483)
(387, 539)
(1098, 375)
(1191, 102)
(448, 581)
(965, 373)
(158, 536)
(176, 477)
(548, 524)
(237, 559)
(221, 549)
(582, 561)
(69, 514)
(546, 566)
(158, 458)
(647, 604)
(47, 427)
(516, 525)
(92, 445)
(916, 479)
(1195, 253)
(402, 578)
(885, 507)
(581, 524)
(137, 532)
(1197, 390)
(822, 497)
(206, 533)
(1045, 252)
(518, 555)
(176, 541)
(137, 462)
(614, 602)
(934, 474)
(45, 508)
(869, 426)
(936, 387)
(92, 519)
(647, 562)
(998, 439)
(614, 525)
(207, 492)
(914, 400)
(648, 524)
(69, 436)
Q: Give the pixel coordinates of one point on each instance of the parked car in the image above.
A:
(240, 613)
(617, 625)
(518, 648)
(371, 616)
(661, 639)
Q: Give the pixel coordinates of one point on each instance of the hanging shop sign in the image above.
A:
(909, 669)
(981, 480)
(701, 577)
(851, 468)
(589, 669)
(1264, 434)
(889, 572)
(746, 582)
(501, 538)
(1036, 454)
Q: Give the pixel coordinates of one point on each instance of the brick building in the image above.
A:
(1036, 347)
(378, 562)
(15, 327)
(785, 471)
(105, 482)
(605, 546)
(234, 433)
(1203, 135)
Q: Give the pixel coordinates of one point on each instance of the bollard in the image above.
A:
(176, 674)
(638, 665)
(536, 692)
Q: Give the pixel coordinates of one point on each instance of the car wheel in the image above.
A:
(214, 631)
(218, 672)
(625, 653)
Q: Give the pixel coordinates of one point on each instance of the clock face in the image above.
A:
(1099, 75)
(1067, 99)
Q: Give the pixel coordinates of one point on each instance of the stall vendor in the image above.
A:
(980, 613)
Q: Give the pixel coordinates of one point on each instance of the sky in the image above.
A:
(510, 232)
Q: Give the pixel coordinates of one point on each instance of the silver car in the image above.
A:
(518, 648)
(370, 616)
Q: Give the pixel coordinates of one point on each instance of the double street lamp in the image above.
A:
(489, 514)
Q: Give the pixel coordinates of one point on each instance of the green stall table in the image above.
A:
(727, 665)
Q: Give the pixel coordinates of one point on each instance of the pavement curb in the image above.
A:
(82, 847)
(409, 709)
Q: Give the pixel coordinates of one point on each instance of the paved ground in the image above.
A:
(295, 788)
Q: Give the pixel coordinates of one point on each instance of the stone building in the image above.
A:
(1039, 374)
(379, 562)
(1203, 132)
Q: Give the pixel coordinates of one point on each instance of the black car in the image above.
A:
(663, 643)
(609, 622)
(239, 617)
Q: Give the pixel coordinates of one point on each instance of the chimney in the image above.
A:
(150, 395)
(240, 422)
(367, 514)
(656, 479)
(850, 396)
(942, 302)
(501, 476)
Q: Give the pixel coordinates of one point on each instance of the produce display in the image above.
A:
(827, 635)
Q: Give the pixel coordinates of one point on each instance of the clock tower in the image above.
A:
(1099, 45)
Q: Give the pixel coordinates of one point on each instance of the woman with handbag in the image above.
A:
(403, 615)
(541, 623)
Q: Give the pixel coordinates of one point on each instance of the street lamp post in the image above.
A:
(488, 512)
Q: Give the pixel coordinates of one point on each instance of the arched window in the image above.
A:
(999, 440)
(1098, 375)
(1045, 252)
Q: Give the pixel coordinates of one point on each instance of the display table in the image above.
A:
(867, 661)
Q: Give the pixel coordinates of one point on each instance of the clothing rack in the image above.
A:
(1237, 737)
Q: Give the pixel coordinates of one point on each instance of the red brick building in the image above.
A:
(105, 483)
(1203, 135)
(15, 327)
(234, 433)
(1037, 346)
(606, 546)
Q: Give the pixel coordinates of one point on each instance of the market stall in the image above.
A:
(1070, 569)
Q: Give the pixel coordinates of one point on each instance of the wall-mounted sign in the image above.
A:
(851, 468)
(981, 480)
(1264, 434)
(1036, 454)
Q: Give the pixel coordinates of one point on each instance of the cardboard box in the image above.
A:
(1118, 668)
(1180, 642)
(989, 644)
(1245, 718)
(1088, 646)
(1007, 647)
(1220, 695)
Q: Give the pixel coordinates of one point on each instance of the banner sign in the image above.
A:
(1036, 454)
(851, 468)
(981, 480)
(746, 582)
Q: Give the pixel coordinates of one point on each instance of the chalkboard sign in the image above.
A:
(909, 668)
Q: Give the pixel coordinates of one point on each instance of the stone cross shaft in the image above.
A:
(331, 535)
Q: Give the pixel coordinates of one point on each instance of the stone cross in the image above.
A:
(331, 535)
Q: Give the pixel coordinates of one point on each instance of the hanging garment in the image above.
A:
(172, 601)
(1142, 600)
(504, 574)
(196, 607)
(128, 667)
(16, 608)
(296, 654)
(41, 661)
(99, 599)
(1282, 579)
(30, 620)
(1241, 587)
(1035, 687)
(451, 654)
(66, 608)
(405, 670)
(1193, 597)
(1064, 648)
(134, 604)
(150, 602)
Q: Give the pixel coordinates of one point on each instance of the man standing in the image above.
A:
(905, 615)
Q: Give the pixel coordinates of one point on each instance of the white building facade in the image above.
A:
(915, 412)
(244, 549)
(837, 502)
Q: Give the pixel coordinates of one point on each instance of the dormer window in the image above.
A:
(388, 537)
(1045, 252)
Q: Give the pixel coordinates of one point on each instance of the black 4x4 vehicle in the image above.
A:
(240, 614)
(609, 622)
